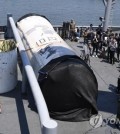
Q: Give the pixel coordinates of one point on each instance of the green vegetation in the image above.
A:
(7, 45)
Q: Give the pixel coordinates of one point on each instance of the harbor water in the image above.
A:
(84, 12)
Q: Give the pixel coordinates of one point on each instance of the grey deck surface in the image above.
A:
(18, 118)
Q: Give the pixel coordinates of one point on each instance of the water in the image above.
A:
(83, 12)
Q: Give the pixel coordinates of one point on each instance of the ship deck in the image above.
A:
(18, 118)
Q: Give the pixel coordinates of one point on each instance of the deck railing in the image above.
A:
(59, 28)
(48, 126)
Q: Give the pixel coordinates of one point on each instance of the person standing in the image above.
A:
(108, 48)
(91, 28)
(113, 46)
(99, 33)
(118, 47)
(95, 45)
(85, 36)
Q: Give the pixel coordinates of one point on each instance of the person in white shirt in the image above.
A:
(113, 46)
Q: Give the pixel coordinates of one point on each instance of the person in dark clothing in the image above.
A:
(95, 46)
(99, 33)
(108, 48)
(90, 36)
(118, 47)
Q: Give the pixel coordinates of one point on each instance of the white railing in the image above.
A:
(48, 126)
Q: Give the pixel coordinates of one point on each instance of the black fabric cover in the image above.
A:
(70, 89)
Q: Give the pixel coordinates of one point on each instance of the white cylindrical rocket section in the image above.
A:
(41, 41)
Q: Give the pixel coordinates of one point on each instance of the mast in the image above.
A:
(108, 9)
